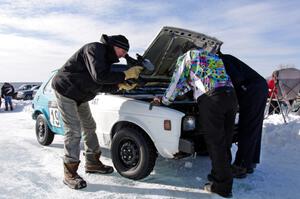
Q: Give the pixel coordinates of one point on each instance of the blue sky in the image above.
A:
(38, 36)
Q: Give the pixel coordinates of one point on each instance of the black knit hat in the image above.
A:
(116, 40)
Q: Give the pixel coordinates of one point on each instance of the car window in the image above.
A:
(24, 87)
(48, 88)
(35, 87)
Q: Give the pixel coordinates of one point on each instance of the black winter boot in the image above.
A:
(94, 165)
(250, 169)
(238, 171)
(210, 178)
(209, 188)
(71, 178)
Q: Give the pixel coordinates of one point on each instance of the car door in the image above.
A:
(46, 102)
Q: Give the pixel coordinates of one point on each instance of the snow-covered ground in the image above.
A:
(29, 170)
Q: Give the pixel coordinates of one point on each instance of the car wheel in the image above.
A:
(43, 133)
(133, 154)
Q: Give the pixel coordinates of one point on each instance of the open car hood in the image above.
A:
(169, 44)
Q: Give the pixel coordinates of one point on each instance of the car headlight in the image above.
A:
(20, 94)
(189, 123)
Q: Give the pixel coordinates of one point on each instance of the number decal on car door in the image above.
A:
(54, 117)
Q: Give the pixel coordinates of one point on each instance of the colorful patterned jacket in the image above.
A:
(198, 70)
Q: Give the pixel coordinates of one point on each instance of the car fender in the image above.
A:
(109, 110)
(43, 112)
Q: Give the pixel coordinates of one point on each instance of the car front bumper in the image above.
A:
(186, 146)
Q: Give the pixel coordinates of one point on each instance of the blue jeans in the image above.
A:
(7, 100)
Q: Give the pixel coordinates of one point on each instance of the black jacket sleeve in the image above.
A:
(13, 90)
(234, 68)
(99, 68)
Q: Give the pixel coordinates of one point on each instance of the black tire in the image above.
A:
(133, 154)
(43, 133)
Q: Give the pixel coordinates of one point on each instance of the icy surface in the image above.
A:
(29, 170)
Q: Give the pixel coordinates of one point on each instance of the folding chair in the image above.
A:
(288, 87)
(274, 106)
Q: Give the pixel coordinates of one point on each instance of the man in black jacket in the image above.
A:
(7, 91)
(85, 74)
(252, 92)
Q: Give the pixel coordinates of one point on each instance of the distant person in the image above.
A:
(252, 93)
(204, 73)
(274, 106)
(86, 73)
(7, 91)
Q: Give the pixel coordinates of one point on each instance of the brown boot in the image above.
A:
(71, 178)
(94, 165)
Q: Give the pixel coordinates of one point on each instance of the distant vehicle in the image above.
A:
(296, 105)
(24, 87)
(127, 123)
(27, 91)
(34, 90)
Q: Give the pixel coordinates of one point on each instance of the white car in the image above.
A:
(127, 123)
(27, 91)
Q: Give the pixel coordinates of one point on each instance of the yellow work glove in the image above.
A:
(133, 72)
(126, 86)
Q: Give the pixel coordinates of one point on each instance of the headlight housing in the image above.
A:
(189, 123)
(20, 94)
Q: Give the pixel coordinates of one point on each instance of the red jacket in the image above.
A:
(272, 88)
